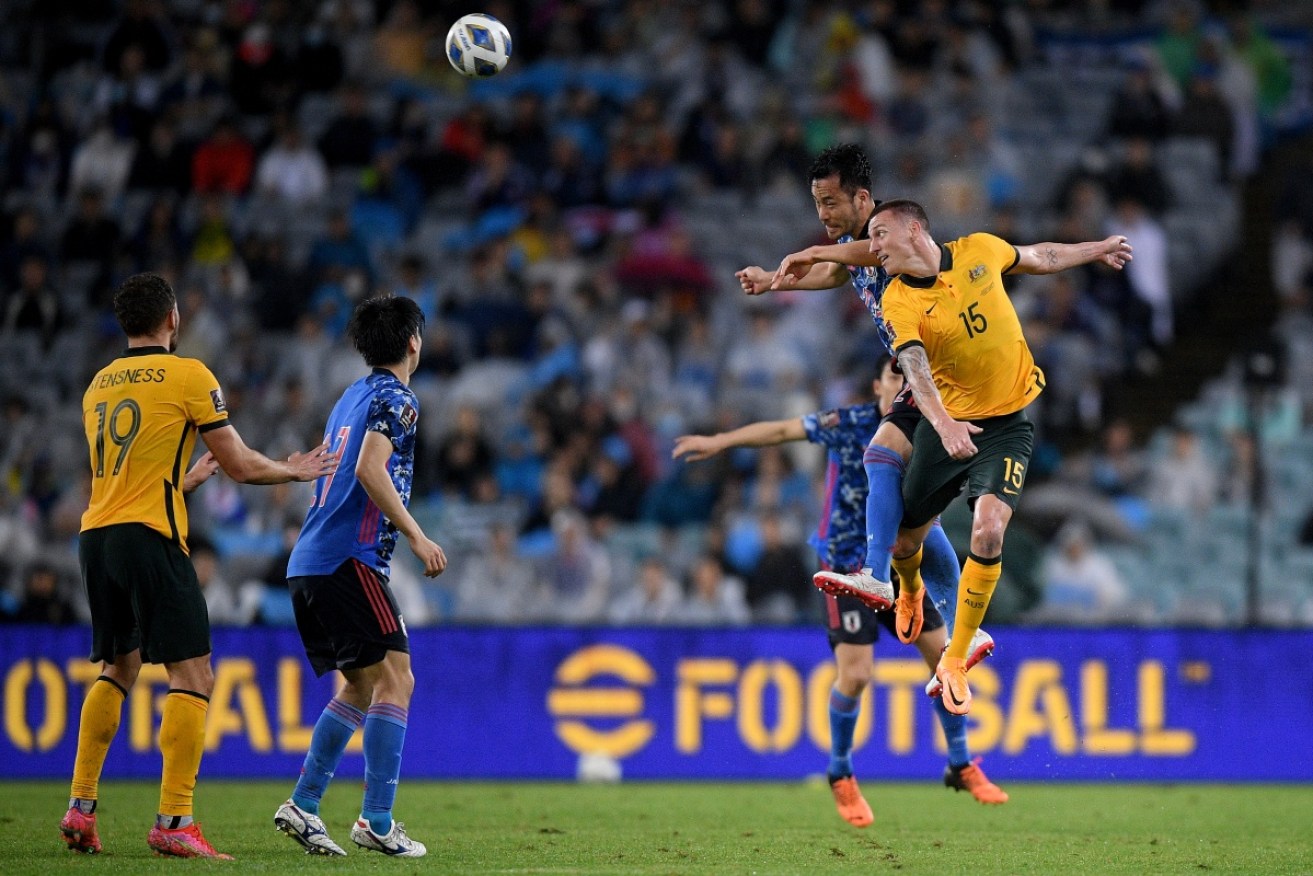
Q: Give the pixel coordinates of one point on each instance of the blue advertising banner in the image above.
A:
(1059, 704)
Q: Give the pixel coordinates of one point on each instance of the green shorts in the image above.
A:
(934, 479)
(143, 594)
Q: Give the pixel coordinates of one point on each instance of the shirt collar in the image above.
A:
(145, 351)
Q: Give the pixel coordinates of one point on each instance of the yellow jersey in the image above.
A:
(141, 414)
(964, 319)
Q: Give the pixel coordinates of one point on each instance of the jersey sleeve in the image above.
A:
(1001, 254)
(393, 415)
(843, 426)
(206, 407)
(902, 321)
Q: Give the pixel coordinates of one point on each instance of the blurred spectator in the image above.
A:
(34, 306)
(259, 74)
(213, 242)
(41, 602)
(91, 235)
(194, 95)
(1137, 177)
(292, 171)
(40, 153)
(142, 28)
(1139, 108)
(340, 251)
(1184, 479)
(160, 239)
(1205, 113)
(102, 162)
(224, 163)
(465, 454)
(1080, 583)
(714, 598)
(162, 163)
(221, 598)
(24, 239)
(498, 180)
(1147, 276)
(780, 582)
(494, 585)
(575, 581)
(653, 597)
(400, 45)
(129, 96)
(1265, 59)
(1178, 45)
(320, 63)
(350, 138)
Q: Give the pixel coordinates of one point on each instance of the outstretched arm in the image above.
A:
(247, 466)
(822, 267)
(1049, 258)
(955, 434)
(762, 434)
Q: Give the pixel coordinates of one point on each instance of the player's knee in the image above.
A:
(395, 686)
(987, 538)
(905, 545)
(194, 675)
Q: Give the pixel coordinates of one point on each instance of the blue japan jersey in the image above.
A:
(343, 522)
(870, 283)
(840, 540)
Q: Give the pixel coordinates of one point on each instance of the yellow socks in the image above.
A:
(974, 589)
(96, 729)
(909, 573)
(182, 739)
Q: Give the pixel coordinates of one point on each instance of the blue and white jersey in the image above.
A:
(343, 522)
(870, 283)
(840, 539)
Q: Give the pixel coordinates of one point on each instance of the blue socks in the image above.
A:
(955, 734)
(884, 506)
(843, 720)
(332, 732)
(385, 732)
(940, 572)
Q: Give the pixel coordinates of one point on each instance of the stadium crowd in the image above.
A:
(570, 231)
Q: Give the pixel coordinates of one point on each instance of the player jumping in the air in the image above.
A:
(338, 577)
(840, 539)
(841, 189)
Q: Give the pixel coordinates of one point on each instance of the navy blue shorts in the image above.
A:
(347, 620)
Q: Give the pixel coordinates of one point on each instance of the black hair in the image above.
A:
(142, 302)
(907, 209)
(849, 161)
(382, 327)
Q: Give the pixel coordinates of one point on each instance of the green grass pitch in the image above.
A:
(693, 828)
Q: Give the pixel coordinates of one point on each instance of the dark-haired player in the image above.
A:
(142, 413)
(338, 576)
(841, 189)
(853, 628)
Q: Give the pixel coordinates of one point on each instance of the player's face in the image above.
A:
(891, 240)
(840, 212)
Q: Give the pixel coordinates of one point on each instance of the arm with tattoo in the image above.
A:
(915, 365)
(955, 434)
(1050, 258)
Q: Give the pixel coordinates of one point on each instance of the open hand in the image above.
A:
(313, 464)
(694, 448)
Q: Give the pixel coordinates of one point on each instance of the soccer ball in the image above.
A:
(478, 45)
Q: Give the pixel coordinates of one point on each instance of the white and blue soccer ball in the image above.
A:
(478, 46)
